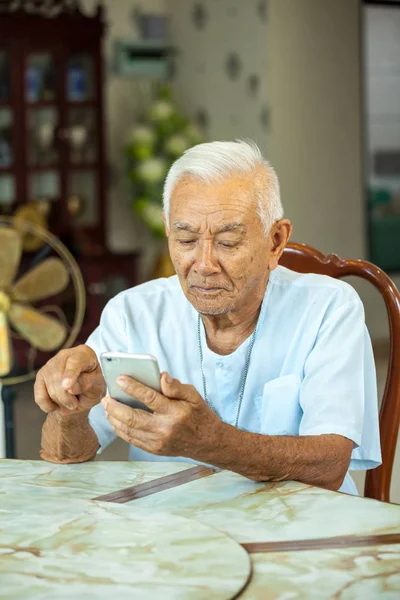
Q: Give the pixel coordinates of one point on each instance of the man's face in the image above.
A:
(217, 243)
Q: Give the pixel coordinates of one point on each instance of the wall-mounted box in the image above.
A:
(142, 58)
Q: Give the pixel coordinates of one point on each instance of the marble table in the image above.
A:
(190, 538)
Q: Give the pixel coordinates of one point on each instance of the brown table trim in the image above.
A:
(347, 541)
(157, 485)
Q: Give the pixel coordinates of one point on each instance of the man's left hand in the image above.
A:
(182, 423)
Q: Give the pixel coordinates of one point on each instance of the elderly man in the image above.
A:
(267, 372)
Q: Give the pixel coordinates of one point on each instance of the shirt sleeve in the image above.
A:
(109, 336)
(338, 394)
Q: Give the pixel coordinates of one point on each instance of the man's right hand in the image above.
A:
(71, 382)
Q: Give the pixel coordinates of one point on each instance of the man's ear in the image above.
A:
(164, 218)
(280, 234)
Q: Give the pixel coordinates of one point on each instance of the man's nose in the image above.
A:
(206, 261)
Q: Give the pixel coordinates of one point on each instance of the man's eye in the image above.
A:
(186, 242)
(228, 244)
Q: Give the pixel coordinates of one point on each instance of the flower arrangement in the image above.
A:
(152, 146)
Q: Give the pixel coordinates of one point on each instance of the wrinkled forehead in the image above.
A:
(236, 192)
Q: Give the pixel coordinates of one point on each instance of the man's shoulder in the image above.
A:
(311, 286)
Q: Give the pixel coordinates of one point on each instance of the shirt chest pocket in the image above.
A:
(279, 409)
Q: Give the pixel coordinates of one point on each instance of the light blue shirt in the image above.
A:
(311, 371)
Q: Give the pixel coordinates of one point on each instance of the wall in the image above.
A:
(306, 56)
(221, 67)
(305, 113)
(317, 128)
(294, 85)
(316, 144)
(316, 136)
(218, 71)
(122, 105)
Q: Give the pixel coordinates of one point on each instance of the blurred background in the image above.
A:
(97, 99)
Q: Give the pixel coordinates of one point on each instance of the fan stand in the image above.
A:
(7, 397)
(2, 425)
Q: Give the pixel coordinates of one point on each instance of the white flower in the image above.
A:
(142, 135)
(161, 110)
(177, 144)
(152, 216)
(151, 170)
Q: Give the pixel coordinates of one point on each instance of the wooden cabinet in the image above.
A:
(104, 279)
(51, 117)
(52, 137)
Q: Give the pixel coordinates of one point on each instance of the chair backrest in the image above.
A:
(304, 259)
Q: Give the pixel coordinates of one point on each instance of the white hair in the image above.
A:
(214, 161)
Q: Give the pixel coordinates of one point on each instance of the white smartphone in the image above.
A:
(142, 367)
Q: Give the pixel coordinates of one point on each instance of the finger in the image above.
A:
(138, 442)
(145, 394)
(41, 395)
(174, 389)
(75, 388)
(133, 418)
(48, 390)
(78, 362)
(140, 439)
(133, 432)
(80, 386)
(90, 385)
(60, 396)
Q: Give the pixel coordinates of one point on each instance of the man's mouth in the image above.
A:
(206, 290)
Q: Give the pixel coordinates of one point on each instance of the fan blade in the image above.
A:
(5, 347)
(10, 255)
(46, 279)
(42, 331)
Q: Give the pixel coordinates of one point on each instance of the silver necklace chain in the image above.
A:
(246, 370)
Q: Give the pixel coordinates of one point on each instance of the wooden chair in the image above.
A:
(304, 259)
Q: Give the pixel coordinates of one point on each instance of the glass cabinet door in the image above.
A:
(82, 201)
(81, 110)
(80, 78)
(42, 125)
(82, 140)
(44, 185)
(82, 136)
(7, 192)
(62, 141)
(6, 145)
(7, 175)
(5, 79)
(40, 78)
(42, 118)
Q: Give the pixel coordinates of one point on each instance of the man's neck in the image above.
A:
(226, 332)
